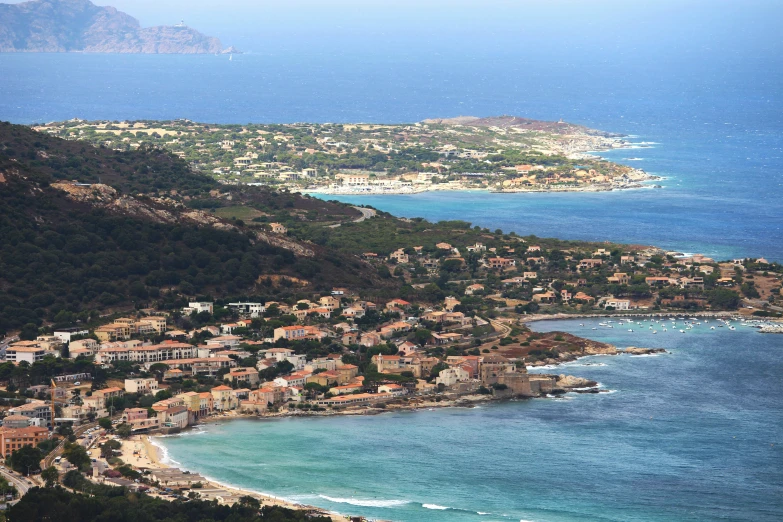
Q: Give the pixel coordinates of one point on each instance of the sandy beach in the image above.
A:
(140, 452)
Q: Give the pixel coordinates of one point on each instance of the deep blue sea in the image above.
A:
(692, 435)
(715, 118)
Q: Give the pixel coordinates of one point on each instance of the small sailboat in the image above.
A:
(230, 57)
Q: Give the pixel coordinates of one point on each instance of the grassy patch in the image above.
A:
(243, 213)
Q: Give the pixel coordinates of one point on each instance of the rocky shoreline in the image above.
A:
(532, 318)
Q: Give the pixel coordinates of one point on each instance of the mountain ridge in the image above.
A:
(80, 26)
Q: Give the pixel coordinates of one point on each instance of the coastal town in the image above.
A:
(490, 154)
(159, 371)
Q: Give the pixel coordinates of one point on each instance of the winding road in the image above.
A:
(20, 483)
(367, 213)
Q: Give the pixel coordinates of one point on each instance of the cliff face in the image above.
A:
(80, 26)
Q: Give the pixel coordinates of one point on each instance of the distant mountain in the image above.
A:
(57, 26)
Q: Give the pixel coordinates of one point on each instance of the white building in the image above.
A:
(618, 304)
(197, 307)
(65, 334)
(251, 309)
(451, 376)
(30, 354)
(141, 386)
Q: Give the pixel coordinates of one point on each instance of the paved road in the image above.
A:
(502, 329)
(367, 213)
(20, 483)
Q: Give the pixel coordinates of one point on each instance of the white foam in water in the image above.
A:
(164, 453)
(435, 506)
(365, 502)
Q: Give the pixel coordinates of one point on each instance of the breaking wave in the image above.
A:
(366, 502)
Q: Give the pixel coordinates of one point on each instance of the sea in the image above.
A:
(695, 434)
(708, 120)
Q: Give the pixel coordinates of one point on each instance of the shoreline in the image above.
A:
(156, 454)
(636, 185)
(561, 316)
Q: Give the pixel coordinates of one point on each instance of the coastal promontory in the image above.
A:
(56, 26)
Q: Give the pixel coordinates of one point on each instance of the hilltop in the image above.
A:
(56, 26)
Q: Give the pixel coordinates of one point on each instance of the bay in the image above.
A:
(695, 434)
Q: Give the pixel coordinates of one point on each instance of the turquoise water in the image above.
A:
(696, 434)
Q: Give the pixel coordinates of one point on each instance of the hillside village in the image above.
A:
(338, 351)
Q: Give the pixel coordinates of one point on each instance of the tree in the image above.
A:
(124, 430)
(29, 332)
(50, 476)
(115, 404)
(105, 423)
(422, 335)
(250, 502)
(158, 369)
(437, 369)
(65, 430)
(6, 488)
(451, 265)
(108, 448)
(76, 455)
(26, 460)
(724, 298)
(74, 479)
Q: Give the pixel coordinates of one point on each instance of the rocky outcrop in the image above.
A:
(526, 124)
(596, 348)
(283, 242)
(633, 350)
(565, 382)
(772, 328)
(57, 26)
(163, 210)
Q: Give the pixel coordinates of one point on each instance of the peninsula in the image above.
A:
(500, 154)
(58, 26)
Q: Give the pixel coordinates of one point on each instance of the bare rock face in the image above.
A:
(633, 350)
(79, 25)
(600, 349)
(569, 381)
(163, 210)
